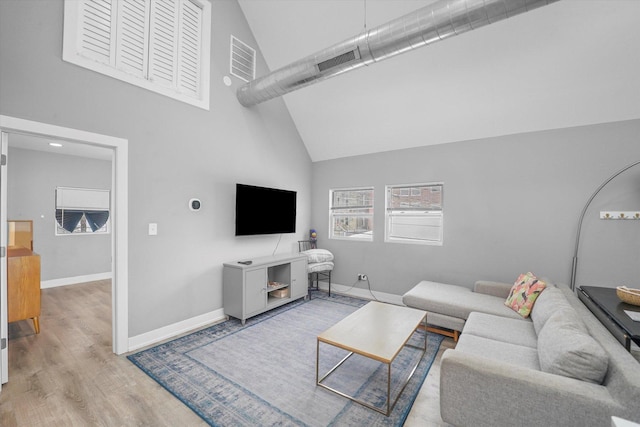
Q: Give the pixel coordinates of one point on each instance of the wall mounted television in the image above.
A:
(262, 210)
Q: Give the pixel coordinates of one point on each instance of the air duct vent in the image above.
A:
(437, 21)
(243, 60)
(352, 55)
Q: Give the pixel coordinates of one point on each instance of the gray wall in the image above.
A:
(511, 205)
(32, 177)
(176, 152)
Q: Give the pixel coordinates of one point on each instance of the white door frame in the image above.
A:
(119, 203)
(4, 352)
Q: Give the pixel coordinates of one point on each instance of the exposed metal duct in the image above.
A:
(438, 21)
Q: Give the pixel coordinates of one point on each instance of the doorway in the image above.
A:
(119, 236)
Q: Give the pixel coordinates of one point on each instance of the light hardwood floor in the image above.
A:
(68, 376)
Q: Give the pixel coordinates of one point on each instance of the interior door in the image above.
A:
(4, 353)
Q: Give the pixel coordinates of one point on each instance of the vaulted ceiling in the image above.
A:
(572, 63)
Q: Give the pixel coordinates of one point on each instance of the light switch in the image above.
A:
(153, 229)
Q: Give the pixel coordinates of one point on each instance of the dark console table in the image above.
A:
(609, 309)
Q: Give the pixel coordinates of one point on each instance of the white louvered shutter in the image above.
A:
(97, 27)
(133, 33)
(189, 48)
(160, 45)
(163, 41)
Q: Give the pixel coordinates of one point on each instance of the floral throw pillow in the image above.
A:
(524, 293)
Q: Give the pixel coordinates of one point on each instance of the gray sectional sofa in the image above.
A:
(558, 367)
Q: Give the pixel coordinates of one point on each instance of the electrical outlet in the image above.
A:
(362, 276)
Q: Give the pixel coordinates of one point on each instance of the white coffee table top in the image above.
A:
(377, 330)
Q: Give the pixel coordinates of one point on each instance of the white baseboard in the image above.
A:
(176, 329)
(171, 331)
(362, 293)
(75, 280)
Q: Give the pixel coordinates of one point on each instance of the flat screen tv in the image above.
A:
(261, 210)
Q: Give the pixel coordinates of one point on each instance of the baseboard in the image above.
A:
(65, 281)
(174, 330)
(362, 293)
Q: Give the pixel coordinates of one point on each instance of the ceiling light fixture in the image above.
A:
(55, 144)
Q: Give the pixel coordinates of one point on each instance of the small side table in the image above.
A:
(609, 309)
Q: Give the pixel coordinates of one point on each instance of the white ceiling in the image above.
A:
(572, 63)
(29, 142)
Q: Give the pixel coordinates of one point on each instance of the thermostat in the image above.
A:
(195, 204)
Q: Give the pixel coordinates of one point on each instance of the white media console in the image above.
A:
(254, 286)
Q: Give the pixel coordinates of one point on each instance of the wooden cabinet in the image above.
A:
(23, 285)
(21, 233)
(266, 283)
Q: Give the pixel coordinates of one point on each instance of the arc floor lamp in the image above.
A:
(574, 267)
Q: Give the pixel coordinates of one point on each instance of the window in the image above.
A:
(81, 211)
(414, 214)
(351, 214)
(160, 45)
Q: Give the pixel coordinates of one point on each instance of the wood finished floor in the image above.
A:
(68, 376)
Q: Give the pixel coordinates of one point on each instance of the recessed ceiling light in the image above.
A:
(55, 144)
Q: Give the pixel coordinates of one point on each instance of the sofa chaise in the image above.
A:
(449, 306)
(557, 367)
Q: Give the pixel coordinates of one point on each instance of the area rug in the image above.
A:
(263, 373)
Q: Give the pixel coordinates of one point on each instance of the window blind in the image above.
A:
(72, 204)
(414, 213)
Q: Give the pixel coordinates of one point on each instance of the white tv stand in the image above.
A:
(264, 284)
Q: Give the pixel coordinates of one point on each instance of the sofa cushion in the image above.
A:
(514, 331)
(565, 348)
(513, 354)
(454, 301)
(489, 287)
(524, 293)
(549, 302)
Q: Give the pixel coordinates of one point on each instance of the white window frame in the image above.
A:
(433, 219)
(336, 212)
(114, 65)
(80, 199)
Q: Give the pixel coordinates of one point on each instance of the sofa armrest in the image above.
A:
(497, 289)
(478, 391)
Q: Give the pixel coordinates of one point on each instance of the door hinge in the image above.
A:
(3, 252)
(3, 160)
(3, 344)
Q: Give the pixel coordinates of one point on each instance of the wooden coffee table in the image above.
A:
(378, 331)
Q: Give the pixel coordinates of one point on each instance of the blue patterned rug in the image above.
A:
(264, 373)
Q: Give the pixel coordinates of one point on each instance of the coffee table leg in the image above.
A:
(389, 391)
(425, 333)
(390, 405)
